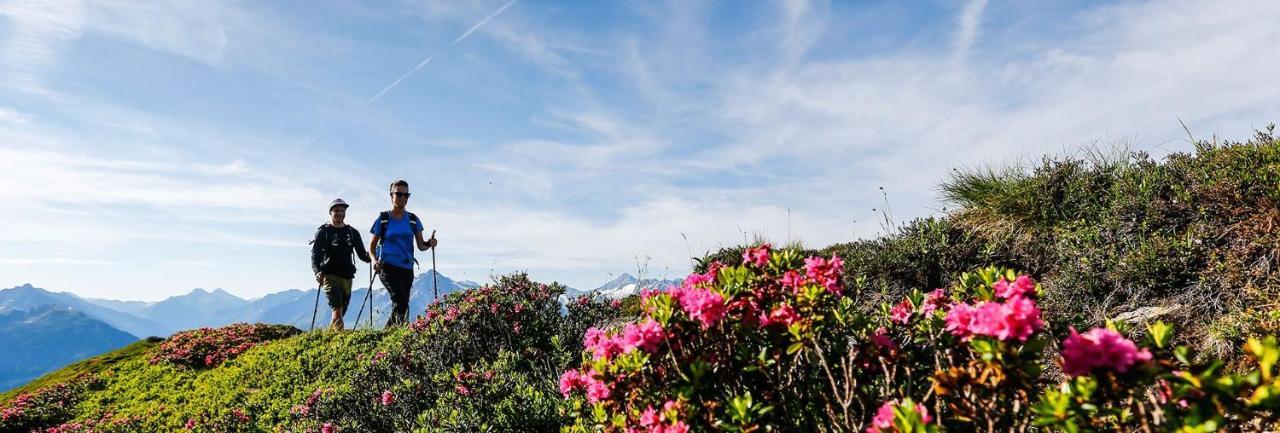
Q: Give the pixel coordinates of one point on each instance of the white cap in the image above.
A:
(338, 202)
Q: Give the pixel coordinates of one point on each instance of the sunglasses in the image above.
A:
(400, 194)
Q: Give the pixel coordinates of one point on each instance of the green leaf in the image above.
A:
(1160, 333)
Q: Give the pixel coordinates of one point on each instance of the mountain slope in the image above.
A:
(48, 337)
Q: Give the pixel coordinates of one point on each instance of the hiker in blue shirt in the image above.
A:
(395, 233)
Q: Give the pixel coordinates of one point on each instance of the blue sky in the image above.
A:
(149, 148)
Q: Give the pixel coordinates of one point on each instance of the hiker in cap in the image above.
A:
(331, 259)
(395, 234)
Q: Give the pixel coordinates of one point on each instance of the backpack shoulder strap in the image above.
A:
(413, 221)
(322, 230)
(383, 219)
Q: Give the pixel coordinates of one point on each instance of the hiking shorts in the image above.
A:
(338, 291)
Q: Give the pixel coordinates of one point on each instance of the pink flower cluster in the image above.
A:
(665, 421)
(901, 313)
(825, 272)
(758, 257)
(883, 421)
(781, 315)
(881, 339)
(695, 280)
(792, 280)
(102, 422)
(1100, 349)
(646, 336)
(1017, 318)
(210, 347)
(934, 301)
(30, 411)
(388, 398)
(703, 305)
(596, 389)
(1021, 287)
(600, 344)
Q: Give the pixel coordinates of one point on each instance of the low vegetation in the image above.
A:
(1047, 299)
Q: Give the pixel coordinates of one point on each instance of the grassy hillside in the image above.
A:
(95, 365)
(1192, 240)
(511, 336)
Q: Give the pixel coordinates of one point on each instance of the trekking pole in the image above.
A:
(435, 276)
(367, 294)
(315, 309)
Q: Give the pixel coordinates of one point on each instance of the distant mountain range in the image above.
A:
(26, 297)
(52, 329)
(627, 285)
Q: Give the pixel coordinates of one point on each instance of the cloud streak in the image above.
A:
(970, 20)
(38, 29)
(482, 22)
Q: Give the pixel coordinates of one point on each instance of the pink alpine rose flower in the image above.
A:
(388, 398)
(901, 313)
(694, 280)
(883, 421)
(646, 336)
(781, 315)
(933, 301)
(650, 418)
(881, 339)
(960, 321)
(600, 344)
(1100, 349)
(1015, 319)
(597, 390)
(1020, 287)
(702, 305)
(759, 257)
(570, 381)
(792, 280)
(925, 418)
(825, 272)
(677, 427)
(328, 428)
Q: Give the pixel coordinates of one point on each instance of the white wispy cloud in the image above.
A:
(899, 119)
(970, 20)
(663, 130)
(13, 116)
(38, 28)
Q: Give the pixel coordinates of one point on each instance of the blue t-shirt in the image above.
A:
(397, 244)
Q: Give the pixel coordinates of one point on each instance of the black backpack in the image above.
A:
(327, 230)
